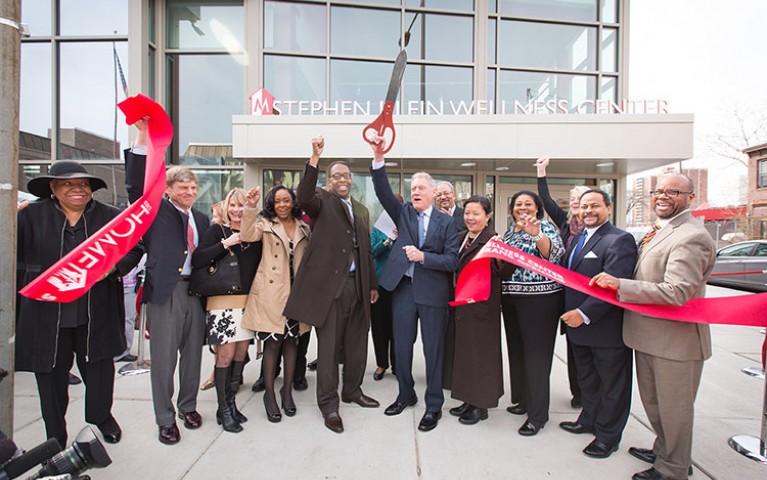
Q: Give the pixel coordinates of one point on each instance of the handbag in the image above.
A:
(220, 277)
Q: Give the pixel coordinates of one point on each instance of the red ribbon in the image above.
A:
(73, 275)
(474, 286)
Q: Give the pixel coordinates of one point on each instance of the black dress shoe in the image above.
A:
(74, 379)
(598, 449)
(192, 420)
(397, 407)
(517, 409)
(459, 410)
(379, 375)
(127, 358)
(334, 423)
(576, 402)
(575, 427)
(169, 434)
(300, 383)
(473, 415)
(529, 429)
(429, 421)
(647, 455)
(312, 365)
(111, 430)
(649, 474)
(259, 386)
(363, 401)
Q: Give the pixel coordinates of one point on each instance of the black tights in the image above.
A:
(271, 357)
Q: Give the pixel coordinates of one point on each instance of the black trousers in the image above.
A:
(303, 348)
(381, 328)
(53, 388)
(531, 324)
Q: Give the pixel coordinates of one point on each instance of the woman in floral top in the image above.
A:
(531, 306)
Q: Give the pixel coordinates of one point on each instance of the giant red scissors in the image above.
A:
(383, 125)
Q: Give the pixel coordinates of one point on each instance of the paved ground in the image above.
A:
(375, 446)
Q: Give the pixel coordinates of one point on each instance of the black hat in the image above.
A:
(59, 170)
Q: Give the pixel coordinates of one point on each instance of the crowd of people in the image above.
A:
(311, 258)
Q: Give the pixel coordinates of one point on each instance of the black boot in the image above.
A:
(233, 406)
(237, 368)
(224, 416)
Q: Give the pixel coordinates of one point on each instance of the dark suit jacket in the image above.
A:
(432, 279)
(458, 219)
(165, 241)
(609, 250)
(325, 265)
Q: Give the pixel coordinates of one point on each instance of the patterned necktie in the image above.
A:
(578, 246)
(190, 234)
(649, 236)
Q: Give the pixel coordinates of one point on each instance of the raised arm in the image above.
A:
(552, 208)
(306, 192)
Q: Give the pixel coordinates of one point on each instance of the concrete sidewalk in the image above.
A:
(376, 446)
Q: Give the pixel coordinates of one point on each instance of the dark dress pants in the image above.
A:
(53, 387)
(433, 328)
(303, 348)
(381, 329)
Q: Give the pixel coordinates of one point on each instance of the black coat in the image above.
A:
(39, 244)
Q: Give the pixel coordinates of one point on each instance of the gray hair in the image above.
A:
(448, 184)
(425, 176)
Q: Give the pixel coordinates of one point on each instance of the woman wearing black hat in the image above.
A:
(50, 335)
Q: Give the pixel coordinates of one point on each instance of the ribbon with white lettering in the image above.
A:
(73, 275)
(474, 286)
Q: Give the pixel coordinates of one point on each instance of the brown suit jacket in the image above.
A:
(325, 266)
(672, 269)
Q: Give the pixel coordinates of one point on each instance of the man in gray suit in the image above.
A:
(675, 260)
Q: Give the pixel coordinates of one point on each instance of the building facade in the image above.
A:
(489, 86)
(757, 190)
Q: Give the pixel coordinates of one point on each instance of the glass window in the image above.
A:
(294, 78)
(357, 31)
(524, 87)
(466, 5)
(462, 186)
(490, 188)
(35, 94)
(761, 179)
(294, 27)
(609, 11)
(213, 185)
(761, 250)
(491, 73)
(152, 17)
(363, 192)
(151, 73)
(443, 87)
(528, 44)
(739, 250)
(579, 10)
(609, 50)
(86, 17)
(449, 38)
(359, 81)
(192, 25)
(37, 14)
(492, 41)
(377, 2)
(608, 90)
(210, 90)
(88, 112)
(287, 178)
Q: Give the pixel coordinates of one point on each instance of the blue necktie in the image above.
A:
(421, 229)
(578, 247)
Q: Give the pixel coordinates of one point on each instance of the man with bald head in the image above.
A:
(419, 273)
(444, 197)
(674, 262)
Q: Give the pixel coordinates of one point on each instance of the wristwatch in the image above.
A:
(537, 237)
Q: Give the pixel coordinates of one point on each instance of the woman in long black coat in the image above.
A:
(473, 360)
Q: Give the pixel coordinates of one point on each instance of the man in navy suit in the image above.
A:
(418, 272)
(444, 194)
(595, 328)
(177, 319)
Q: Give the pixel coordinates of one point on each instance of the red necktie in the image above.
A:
(190, 234)
(649, 236)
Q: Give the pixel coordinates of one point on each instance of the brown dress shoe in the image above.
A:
(363, 401)
(192, 420)
(169, 434)
(333, 422)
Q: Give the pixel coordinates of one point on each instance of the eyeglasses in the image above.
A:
(339, 176)
(670, 193)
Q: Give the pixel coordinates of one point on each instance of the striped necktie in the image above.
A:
(190, 233)
(649, 236)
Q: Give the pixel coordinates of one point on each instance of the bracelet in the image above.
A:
(537, 237)
(224, 244)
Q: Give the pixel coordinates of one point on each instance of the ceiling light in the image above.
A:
(501, 169)
(605, 164)
(469, 164)
(391, 164)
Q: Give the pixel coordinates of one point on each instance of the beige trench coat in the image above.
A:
(271, 286)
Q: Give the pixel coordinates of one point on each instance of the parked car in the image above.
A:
(747, 260)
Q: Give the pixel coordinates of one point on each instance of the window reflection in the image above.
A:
(86, 17)
(448, 37)
(213, 185)
(440, 86)
(37, 14)
(527, 44)
(609, 11)
(492, 39)
(608, 89)
(210, 90)
(609, 50)
(355, 31)
(88, 100)
(359, 81)
(462, 186)
(524, 87)
(491, 73)
(35, 98)
(579, 10)
(294, 78)
(362, 191)
(191, 25)
(294, 27)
